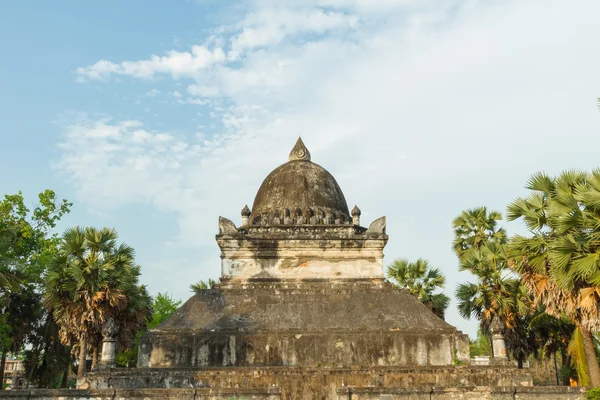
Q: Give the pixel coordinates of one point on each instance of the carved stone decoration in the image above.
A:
(377, 226)
(246, 211)
(287, 220)
(498, 344)
(299, 152)
(226, 226)
(356, 215)
(110, 329)
(329, 219)
(109, 344)
(246, 216)
(496, 326)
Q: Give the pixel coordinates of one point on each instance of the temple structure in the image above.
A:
(302, 311)
(302, 284)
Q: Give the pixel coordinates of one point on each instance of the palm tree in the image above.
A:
(493, 294)
(560, 261)
(422, 281)
(553, 336)
(202, 285)
(89, 281)
(474, 229)
(480, 246)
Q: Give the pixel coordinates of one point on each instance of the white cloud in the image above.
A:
(176, 94)
(420, 110)
(271, 26)
(177, 64)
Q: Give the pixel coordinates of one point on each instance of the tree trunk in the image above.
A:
(65, 377)
(556, 369)
(34, 360)
(566, 360)
(2, 366)
(520, 362)
(94, 357)
(590, 358)
(82, 356)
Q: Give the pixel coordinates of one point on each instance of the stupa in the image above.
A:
(303, 311)
(302, 285)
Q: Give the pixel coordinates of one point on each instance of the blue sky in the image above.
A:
(157, 117)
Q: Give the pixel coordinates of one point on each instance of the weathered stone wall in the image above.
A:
(463, 393)
(342, 393)
(308, 349)
(311, 383)
(143, 394)
(363, 322)
(301, 252)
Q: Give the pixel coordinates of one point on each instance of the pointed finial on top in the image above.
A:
(299, 152)
(355, 215)
(246, 211)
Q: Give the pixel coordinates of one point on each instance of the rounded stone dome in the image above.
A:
(299, 187)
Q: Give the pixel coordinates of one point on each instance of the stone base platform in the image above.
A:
(314, 383)
(322, 377)
(465, 393)
(142, 394)
(274, 393)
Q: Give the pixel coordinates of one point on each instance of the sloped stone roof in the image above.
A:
(324, 306)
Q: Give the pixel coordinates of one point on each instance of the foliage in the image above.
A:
(202, 285)
(480, 245)
(422, 281)
(163, 306)
(552, 334)
(577, 352)
(559, 261)
(520, 340)
(34, 243)
(27, 243)
(481, 346)
(593, 394)
(91, 280)
(5, 332)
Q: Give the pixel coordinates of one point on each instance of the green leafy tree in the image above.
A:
(9, 275)
(27, 242)
(481, 346)
(559, 261)
(91, 280)
(163, 306)
(422, 281)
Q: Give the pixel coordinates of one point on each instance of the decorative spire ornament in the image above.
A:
(246, 216)
(299, 152)
(356, 215)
